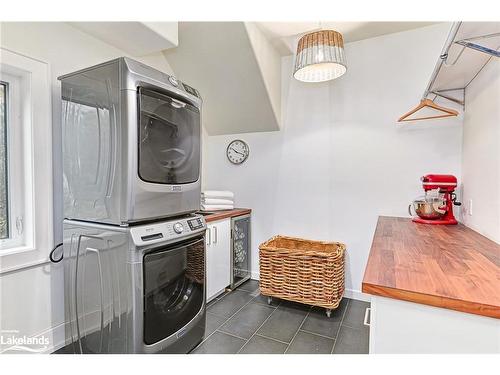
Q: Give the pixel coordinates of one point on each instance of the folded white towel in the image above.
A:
(217, 201)
(221, 194)
(216, 207)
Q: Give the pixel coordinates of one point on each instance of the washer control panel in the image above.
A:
(178, 228)
(167, 230)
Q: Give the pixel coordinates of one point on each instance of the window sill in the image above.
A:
(14, 249)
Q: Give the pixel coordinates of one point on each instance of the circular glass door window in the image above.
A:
(169, 144)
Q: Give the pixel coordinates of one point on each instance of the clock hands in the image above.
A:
(238, 152)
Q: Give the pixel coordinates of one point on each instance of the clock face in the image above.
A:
(237, 151)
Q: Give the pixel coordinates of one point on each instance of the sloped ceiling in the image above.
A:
(218, 59)
(135, 38)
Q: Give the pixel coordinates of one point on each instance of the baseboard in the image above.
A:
(357, 295)
(348, 293)
(58, 338)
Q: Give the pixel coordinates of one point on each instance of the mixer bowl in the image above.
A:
(430, 209)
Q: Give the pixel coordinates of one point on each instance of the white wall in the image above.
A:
(341, 158)
(31, 300)
(481, 153)
(269, 61)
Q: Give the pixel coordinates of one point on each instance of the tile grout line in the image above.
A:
(231, 334)
(355, 328)
(240, 337)
(259, 327)
(272, 338)
(219, 300)
(224, 322)
(244, 290)
(316, 334)
(301, 324)
(340, 325)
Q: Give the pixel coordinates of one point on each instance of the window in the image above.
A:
(4, 198)
(25, 162)
(14, 163)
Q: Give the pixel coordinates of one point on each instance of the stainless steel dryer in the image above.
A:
(131, 144)
(137, 289)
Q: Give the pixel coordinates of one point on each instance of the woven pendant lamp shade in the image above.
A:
(320, 57)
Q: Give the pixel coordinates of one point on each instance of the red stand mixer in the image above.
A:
(436, 207)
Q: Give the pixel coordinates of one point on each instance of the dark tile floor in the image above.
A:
(242, 322)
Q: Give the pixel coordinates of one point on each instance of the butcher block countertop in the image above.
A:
(448, 266)
(219, 215)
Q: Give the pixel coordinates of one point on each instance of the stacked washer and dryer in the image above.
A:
(134, 250)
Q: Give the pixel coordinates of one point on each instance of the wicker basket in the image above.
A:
(304, 271)
(195, 270)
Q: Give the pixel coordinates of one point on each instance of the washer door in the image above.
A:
(174, 282)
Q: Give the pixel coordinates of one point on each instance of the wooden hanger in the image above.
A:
(447, 112)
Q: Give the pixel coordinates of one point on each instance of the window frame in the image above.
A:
(17, 194)
(6, 139)
(30, 161)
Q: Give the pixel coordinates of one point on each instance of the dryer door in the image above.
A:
(169, 144)
(174, 286)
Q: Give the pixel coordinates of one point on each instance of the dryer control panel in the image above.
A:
(168, 231)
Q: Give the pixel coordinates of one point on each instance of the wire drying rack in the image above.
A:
(467, 50)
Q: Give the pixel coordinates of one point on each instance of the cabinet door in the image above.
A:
(221, 241)
(210, 264)
(218, 257)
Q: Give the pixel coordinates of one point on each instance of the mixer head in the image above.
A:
(444, 182)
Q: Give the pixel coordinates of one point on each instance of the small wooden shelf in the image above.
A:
(219, 215)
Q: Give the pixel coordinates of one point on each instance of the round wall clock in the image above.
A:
(237, 151)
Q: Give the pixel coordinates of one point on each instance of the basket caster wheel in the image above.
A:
(269, 300)
(328, 312)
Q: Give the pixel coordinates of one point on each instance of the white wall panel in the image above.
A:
(481, 153)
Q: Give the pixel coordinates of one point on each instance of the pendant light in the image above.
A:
(320, 57)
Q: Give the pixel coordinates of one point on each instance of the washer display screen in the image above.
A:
(195, 224)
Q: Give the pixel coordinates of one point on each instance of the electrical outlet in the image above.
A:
(469, 208)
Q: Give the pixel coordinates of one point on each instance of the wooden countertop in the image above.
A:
(452, 267)
(219, 215)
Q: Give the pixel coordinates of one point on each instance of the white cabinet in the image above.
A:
(218, 241)
(400, 327)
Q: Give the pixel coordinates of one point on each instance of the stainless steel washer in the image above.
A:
(138, 289)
